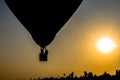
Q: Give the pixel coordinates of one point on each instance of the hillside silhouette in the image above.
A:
(86, 76)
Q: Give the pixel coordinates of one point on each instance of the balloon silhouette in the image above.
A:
(43, 18)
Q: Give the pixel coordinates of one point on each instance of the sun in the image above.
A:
(106, 45)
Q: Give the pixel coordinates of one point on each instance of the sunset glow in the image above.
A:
(89, 41)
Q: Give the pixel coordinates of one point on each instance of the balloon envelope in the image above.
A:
(43, 18)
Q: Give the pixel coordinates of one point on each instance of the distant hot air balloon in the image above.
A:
(43, 18)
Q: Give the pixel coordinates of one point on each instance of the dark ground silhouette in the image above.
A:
(86, 76)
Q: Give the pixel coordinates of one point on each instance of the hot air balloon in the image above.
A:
(43, 18)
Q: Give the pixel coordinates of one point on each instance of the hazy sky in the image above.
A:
(73, 49)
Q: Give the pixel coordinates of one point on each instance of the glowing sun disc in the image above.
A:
(106, 45)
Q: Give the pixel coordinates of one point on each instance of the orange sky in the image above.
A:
(73, 49)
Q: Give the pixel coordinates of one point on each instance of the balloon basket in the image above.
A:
(43, 57)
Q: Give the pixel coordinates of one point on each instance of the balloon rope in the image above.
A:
(44, 50)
